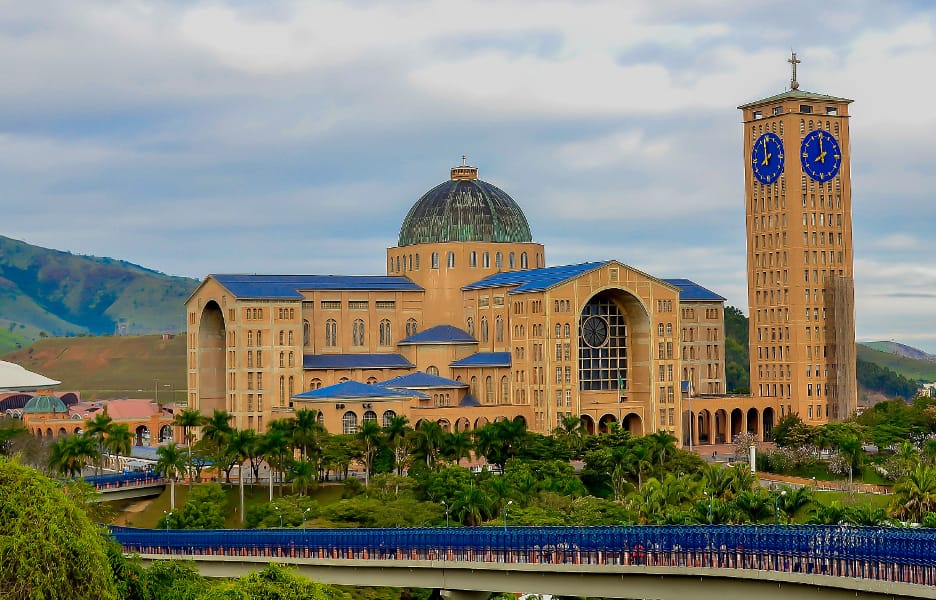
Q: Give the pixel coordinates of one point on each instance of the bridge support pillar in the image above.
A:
(464, 595)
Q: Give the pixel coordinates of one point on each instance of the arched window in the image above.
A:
(473, 259)
(249, 359)
(292, 362)
(411, 328)
(435, 260)
(473, 387)
(566, 331)
(484, 329)
(499, 329)
(331, 333)
(499, 260)
(371, 381)
(291, 390)
(523, 260)
(357, 332)
(349, 423)
(249, 337)
(669, 329)
(282, 337)
(470, 325)
(385, 339)
(432, 370)
(306, 333)
(450, 260)
(282, 390)
(369, 416)
(511, 261)
(388, 418)
(282, 359)
(417, 261)
(489, 390)
(259, 359)
(505, 390)
(660, 329)
(315, 384)
(486, 260)
(259, 338)
(558, 330)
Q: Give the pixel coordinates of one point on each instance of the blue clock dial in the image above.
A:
(767, 158)
(821, 155)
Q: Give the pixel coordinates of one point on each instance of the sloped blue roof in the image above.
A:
(420, 379)
(469, 400)
(440, 334)
(351, 390)
(484, 359)
(534, 280)
(355, 361)
(690, 290)
(287, 286)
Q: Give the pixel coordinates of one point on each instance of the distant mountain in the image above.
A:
(53, 293)
(900, 350)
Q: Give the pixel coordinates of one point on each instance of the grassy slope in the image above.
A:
(908, 367)
(110, 366)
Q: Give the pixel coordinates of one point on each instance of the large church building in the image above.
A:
(469, 325)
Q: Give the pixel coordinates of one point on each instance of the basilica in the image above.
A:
(469, 325)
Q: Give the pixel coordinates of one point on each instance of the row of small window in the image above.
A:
(485, 301)
(410, 262)
(816, 273)
(489, 390)
(772, 297)
(668, 329)
(285, 338)
(665, 350)
(768, 241)
(349, 420)
(358, 333)
(498, 329)
(819, 238)
(358, 304)
(810, 219)
(672, 416)
(286, 313)
(664, 306)
(772, 315)
(711, 353)
(770, 371)
(833, 126)
(776, 352)
(689, 334)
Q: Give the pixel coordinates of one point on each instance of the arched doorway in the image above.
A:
(721, 426)
(588, 424)
(462, 424)
(704, 433)
(211, 359)
(480, 422)
(753, 424)
(165, 434)
(520, 419)
(445, 425)
(737, 423)
(633, 423)
(768, 416)
(141, 436)
(604, 423)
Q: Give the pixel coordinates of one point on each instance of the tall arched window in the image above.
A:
(499, 329)
(435, 260)
(291, 390)
(505, 390)
(282, 390)
(385, 332)
(292, 358)
(473, 259)
(473, 387)
(484, 329)
(349, 423)
(315, 384)
(512, 261)
(249, 337)
(357, 332)
(306, 333)
(250, 359)
(259, 338)
(417, 261)
(387, 418)
(450, 260)
(470, 326)
(331, 333)
(432, 370)
(558, 330)
(524, 261)
(489, 390)
(499, 260)
(369, 416)
(486, 260)
(411, 328)
(282, 338)
(259, 359)
(566, 331)
(282, 359)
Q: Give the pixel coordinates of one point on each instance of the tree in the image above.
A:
(472, 505)
(71, 455)
(791, 432)
(204, 509)
(302, 475)
(169, 463)
(274, 446)
(217, 428)
(242, 445)
(306, 432)
(119, 440)
(457, 446)
(369, 435)
(98, 428)
(428, 440)
(915, 494)
(397, 432)
(50, 548)
(187, 419)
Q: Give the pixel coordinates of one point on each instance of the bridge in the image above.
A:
(127, 485)
(667, 562)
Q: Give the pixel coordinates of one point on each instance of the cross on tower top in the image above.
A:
(464, 160)
(794, 84)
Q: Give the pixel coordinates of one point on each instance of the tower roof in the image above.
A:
(464, 209)
(796, 95)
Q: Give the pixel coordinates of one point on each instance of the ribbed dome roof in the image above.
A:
(464, 209)
(45, 404)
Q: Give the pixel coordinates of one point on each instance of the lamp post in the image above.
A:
(776, 505)
(446, 513)
(168, 516)
(280, 513)
(509, 502)
(304, 513)
(711, 500)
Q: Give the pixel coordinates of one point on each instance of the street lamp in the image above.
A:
(711, 500)
(509, 502)
(446, 513)
(776, 506)
(304, 513)
(278, 512)
(168, 516)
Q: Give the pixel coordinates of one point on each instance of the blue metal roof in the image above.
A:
(534, 280)
(469, 401)
(288, 286)
(692, 291)
(484, 359)
(355, 361)
(440, 334)
(420, 379)
(355, 390)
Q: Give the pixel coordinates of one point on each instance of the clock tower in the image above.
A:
(800, 264)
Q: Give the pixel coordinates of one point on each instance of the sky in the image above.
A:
(293, 136)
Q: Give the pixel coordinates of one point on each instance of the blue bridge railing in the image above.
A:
(122, 480)
(880, 553)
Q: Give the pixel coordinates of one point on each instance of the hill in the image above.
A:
(911, 368)
(900, 350)
(53, 293)
(111, 366)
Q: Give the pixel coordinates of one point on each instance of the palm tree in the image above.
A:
(638, 460)
(302, 475)
(662, 444)
(369, 434)
(242, 445)
(71, 455)
(118, 440)
(793, 501)
(274, 446)
(306, 432)
(428, 439)
(833, 514)
(97, 428)
(717, 480)
(572, 432)
(187, 419)
(915, 494)
(472, 505)
(853, 453)
(397, 432)
(169, 463)
(457, 446)
(754, 505)
(217, 428)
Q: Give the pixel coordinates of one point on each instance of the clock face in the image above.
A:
(595, 331)
(767, 158)
(821, 155)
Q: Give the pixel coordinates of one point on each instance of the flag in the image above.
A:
(620, 385)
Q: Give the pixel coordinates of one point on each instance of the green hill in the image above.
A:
(111, 366)
(911, 368)
(58, 294)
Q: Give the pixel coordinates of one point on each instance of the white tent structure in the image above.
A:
(15, 378)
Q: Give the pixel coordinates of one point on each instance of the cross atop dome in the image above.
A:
(464, 171)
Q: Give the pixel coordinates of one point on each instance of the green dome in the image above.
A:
(45, 404)
(465, 209)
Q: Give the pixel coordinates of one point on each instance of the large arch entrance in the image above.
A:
(633, 424)
(211, 369)
(768, 416)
